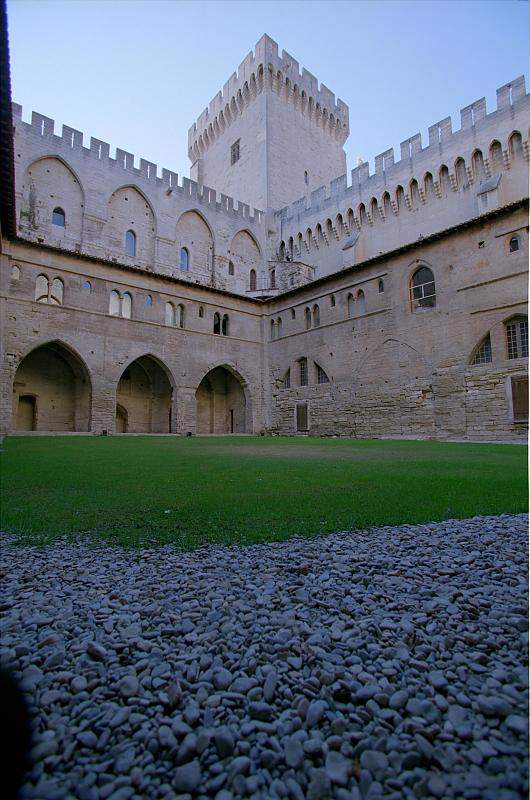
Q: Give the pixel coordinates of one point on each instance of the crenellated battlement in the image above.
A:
(70, 143)
(266, 68)
(445, 147)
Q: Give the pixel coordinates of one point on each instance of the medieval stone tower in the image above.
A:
(272, 135)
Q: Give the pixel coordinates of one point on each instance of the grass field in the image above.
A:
(143, 490)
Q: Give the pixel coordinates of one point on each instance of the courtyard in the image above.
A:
(196, 491)
(182, 628)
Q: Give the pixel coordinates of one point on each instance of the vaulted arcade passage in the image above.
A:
(143, 398)
(221, 403)
(51, 391)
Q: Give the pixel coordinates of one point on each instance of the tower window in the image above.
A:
(514, 244)
(306, 178)
(130, 243)
(234, 152)
(59, 217)
(184, 259)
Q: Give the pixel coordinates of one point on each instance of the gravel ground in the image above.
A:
(387, 663)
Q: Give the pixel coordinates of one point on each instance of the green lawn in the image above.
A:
(140, 490)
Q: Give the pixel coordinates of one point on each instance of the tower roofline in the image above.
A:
(266, 63)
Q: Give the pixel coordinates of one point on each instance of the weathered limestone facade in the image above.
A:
(393, 306)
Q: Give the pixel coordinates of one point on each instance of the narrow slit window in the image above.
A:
(234, 152)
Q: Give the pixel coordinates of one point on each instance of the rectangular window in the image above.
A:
(520, 399)
(301, 417)
(303, 372)
(517, 336)
(234, 152)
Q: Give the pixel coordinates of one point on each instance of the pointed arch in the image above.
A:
(52, 389)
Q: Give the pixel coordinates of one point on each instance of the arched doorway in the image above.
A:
(51, 391)
(121, 419)
(143, 398)
(221, 403)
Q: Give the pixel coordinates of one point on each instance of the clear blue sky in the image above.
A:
(137, 74)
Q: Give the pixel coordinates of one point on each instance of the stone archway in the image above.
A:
(144, 398)
(51, 391)
(221, 402)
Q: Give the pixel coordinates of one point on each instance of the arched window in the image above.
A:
(180, 315)
(281, 251)
(15, 273)
(351, 305)
(148, 300)
(170, 314)
(422, 289)
(126, 305)
(287, 380)
(252, 280)
(339, 225)
(360, 302)
(86, 286)
(400, 197)
(318, 232)
(59, 217)
(225, 326)
(496, 154)
(514, 244)
(184, 259)
(291, 248)
(217, 323)
(444, 181)
(460, 173)
(308, 235)
(273, 279)
(273, 330)
(307, 318)
(381, 286)
(517, 337)
(387, 204)
(321, 375)
(42, 286)
(279, 326)
(482, 353)
(230, 267)
(114, 303)
(306, 177)
(374, 210)
(316, 316)
(130, 243)
(201, 312)
(477, 162)
(302, 366)
(332, 301)
(515, 145)
(57, 292)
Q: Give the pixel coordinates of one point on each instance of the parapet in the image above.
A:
(265, 64)
(71, 143)
(510, 97)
